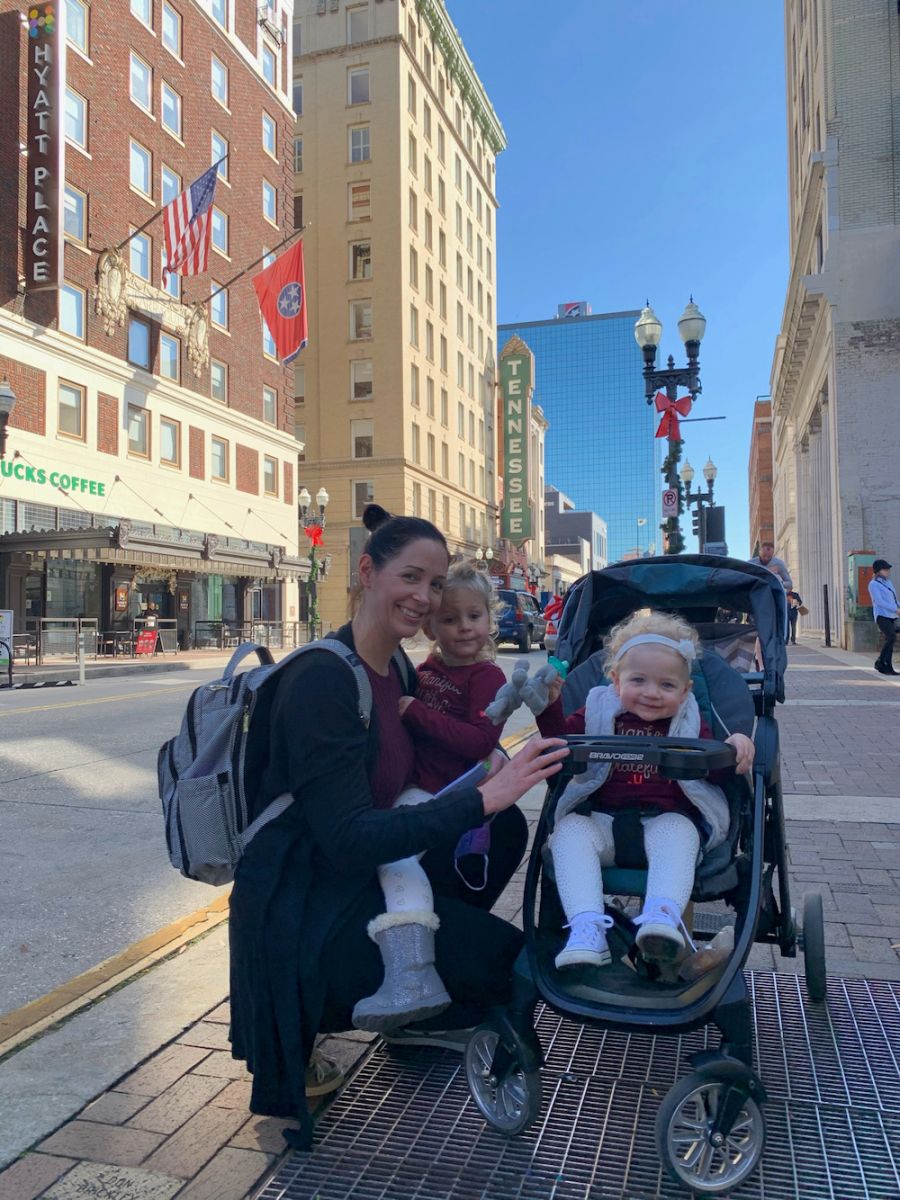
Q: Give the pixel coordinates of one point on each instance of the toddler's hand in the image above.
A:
(554, 690)
(745, 752)
(403, 703)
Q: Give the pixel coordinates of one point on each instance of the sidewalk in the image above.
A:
(177, 1126)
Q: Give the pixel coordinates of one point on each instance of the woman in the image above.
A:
(307, 886)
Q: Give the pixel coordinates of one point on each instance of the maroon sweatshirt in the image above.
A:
(447, 719)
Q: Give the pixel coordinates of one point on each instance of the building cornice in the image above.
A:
(462, 71)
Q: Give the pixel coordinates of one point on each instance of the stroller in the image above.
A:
(709, 1129)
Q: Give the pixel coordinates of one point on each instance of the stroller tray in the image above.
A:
(405, 1127)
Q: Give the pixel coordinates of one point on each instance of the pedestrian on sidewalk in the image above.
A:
(307, 886)
(766, 558)
(886, 611)
(795, 602)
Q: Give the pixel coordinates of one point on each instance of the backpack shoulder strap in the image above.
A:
(405, 667)
(353, 661)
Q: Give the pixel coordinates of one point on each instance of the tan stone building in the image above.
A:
(396, 144)
(836, 370)
(762, 517)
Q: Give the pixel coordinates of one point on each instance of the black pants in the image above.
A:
(474, 950)
(888, 628)
(792, 624)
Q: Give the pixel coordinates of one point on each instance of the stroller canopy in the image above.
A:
(694, 585)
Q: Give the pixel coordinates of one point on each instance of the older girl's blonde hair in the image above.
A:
(648, 621)
(464, 575)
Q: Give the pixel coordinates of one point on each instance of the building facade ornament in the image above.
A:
(198, 338)
(109, 292)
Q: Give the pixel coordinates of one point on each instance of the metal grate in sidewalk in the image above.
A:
(405, 1128)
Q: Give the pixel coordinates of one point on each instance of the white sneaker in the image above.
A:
(587, 945)
(662, 935)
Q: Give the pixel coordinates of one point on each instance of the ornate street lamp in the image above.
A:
(7, 404)
(702, 499)
(661, 387)
(484, 556)
(313, 525)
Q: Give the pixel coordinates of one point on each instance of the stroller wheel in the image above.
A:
(814, 947)
(708, 1163)
(507, 1097)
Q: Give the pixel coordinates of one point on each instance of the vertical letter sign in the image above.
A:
(516, 370)
(46, 77)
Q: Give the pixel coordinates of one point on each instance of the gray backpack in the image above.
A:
(201, 769)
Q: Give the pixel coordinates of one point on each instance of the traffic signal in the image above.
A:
(715, 524)
(695, 522)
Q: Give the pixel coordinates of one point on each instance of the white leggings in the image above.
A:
(582, 845)
(404, 883)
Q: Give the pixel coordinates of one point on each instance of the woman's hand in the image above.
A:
(403, 703)
(745, 752)
(538, 759)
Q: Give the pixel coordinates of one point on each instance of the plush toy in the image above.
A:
(536, 688)
(522, 688)
(509, 697)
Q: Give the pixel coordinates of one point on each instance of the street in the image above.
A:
(84, 870)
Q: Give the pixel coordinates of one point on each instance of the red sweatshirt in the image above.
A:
(447, 719)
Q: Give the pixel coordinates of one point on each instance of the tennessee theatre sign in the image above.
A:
(516, 375)
(46, 76)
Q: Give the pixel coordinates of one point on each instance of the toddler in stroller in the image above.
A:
(648, 659)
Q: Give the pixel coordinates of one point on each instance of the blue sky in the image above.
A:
(647, 157)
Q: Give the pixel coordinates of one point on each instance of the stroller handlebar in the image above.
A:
(676, 758)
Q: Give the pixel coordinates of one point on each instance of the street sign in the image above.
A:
(670, 502)
(715, 548)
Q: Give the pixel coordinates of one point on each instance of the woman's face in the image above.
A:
(407, 589)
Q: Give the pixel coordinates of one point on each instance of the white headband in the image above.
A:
(685, 647)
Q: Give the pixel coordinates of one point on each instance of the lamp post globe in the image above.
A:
(322, 499)
(710, 471)
(648, 328)
(692, 323)
(305, 499)
(687, 473)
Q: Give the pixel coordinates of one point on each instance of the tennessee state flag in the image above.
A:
(281, 293)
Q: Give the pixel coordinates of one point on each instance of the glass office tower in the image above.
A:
(600, 448)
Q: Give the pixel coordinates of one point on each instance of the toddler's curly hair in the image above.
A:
(648, 621)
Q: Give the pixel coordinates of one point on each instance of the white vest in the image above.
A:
(602, 708)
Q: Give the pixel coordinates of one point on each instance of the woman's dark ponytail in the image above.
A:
(388, 535)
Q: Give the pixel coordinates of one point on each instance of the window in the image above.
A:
(441, 142)
(443, 362)
(411, 95)
(300, 437)
(426, 119)
(219, 232)
(218, 459)
(270, 475)
(269, 65)
(269, 202)
(360, 260)
(70, 411)
(169, 356)
(429, 341)
(170, 184)
(442, 196)
(429, 460)
(360, 144)
(414, 385)
(169, 442)
(219, 10)
(442, 248)
(297, 96)
(218, 306)
(219, 81)
(361, 379)
(218, 381)
(427, 166)
(460, 421)
(413, 210)
(357, 25)
(171, 110)
(298, 154)
(76, 118)
(71, 310)
(218, 147)
(413, 155)
(75, 215)
(268, 342)
(171, 28)
(471, 429)
(362, 437)
(141, 88)
(416, 443)
(270, 405)
(141, 169)
(359, 198)
(363, 494)
(269, 139)
(429, 396)
(461, 470)
(445, 461)
(172, 281)
(77, 24)
(138, 431)
(361, 320)
(358, 86)
(139, 343)
(413, 325)
(442, 300)
(143, 10)
(139, 255)
(429, 285)
(413, 267)
(445, 408)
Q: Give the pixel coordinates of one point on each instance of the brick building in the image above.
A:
(151, 453)
(836, 368)
(762, 515)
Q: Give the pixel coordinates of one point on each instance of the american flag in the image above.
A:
(187, 225)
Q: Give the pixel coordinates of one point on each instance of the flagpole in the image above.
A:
(284, 242)
(160, 211)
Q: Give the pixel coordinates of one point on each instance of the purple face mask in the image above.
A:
(475, 842)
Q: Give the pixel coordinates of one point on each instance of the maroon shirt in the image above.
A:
(396, 753)
(626, 787)
(447, 719)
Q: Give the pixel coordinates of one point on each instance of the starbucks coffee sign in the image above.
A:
(69, 481)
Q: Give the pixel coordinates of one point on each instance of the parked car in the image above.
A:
(520, 620)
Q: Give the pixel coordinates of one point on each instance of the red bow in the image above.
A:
(314, 533)
(671, 410)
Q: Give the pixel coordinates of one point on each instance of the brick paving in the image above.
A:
(178, 1127)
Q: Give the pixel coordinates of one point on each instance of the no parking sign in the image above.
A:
(670, 502)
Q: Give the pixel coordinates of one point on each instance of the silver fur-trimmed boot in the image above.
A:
(412, 989)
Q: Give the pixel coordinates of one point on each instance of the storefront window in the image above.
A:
(73, 589)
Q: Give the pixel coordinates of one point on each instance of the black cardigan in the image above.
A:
(303, 870)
